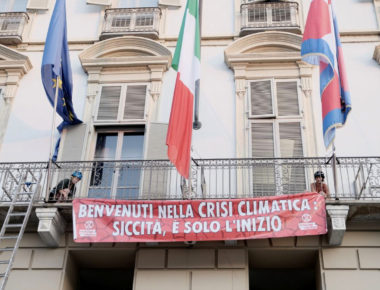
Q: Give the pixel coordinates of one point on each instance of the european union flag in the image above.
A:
(56, 68)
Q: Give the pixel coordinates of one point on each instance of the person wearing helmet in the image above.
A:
(319, 186)
(65, 189)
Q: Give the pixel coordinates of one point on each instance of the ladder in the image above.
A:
(15, 223)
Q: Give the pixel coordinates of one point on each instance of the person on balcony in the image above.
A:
(319, 186)
(65, 189)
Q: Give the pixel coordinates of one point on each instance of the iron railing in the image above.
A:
(356, 178)
(131, 21)
(12, 26)
(260, 16)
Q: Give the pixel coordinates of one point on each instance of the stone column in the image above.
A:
(337, 223)
(51, 226)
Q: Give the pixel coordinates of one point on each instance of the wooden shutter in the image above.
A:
(290, 140)
(135, 102)
(261, 98)
(72, 143)
(262, 140)
(287, 98)
(99, 2)
(293, 175)
(263, 181)
(176, 3)
(156, 179)
(109, 103)
(38, 4)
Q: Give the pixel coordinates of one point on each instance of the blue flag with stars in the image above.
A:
(56, 68)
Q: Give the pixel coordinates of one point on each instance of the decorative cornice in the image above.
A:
(138, 52)
(13, 60)
(269, 46)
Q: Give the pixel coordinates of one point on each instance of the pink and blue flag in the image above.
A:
(321, 46)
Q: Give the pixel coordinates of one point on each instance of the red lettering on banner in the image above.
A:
(102, 220)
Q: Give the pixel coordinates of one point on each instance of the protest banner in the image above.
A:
(105, 220)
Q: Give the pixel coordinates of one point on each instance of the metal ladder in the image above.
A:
(20, 208)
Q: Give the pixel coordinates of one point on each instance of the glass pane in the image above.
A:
(129, 174)
(106, 146)
(102, 172)
(137, 3)
(132, 147)
(18, 5)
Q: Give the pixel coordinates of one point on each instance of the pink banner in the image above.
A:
(105, 220)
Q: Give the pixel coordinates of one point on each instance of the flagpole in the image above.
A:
(52, 137)
(334, 161)
(197, 124)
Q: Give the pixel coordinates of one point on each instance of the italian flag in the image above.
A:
(186, 62)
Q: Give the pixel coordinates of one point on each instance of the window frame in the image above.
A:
(120, 131)
(121, 107)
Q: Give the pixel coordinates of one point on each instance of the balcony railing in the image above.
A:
(131, 21)
(262, 16)
(357, 178)
(12, 26)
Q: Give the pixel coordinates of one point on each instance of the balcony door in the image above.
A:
(115, 175)
(276, 132)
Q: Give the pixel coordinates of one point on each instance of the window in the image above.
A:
(137, 3)
(13, 5)
(112, 179)
(275, 132)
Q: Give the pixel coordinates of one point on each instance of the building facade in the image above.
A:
(261, 136)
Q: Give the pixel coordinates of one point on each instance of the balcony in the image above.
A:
(356, 178)
(12, 26)
(264, 16)
(131, 21)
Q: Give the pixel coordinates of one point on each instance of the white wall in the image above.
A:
(28, 134)
(27, 137)
(360, 135)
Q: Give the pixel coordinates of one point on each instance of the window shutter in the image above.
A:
(99, 2)
(263, 147)
(109, 103)
(176, 3)
(262, 140)
(156, 178)
(261, 98)
(135, 102)
(290, 140)
(38, 4)
(293, 175)
(72, 143)
(287, 98)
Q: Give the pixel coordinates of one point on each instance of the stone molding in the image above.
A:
(51, 226)
(337, 223)
(128, 51)
(13, 66)
(269, 46)
(376, 54)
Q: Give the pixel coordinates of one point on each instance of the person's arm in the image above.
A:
(326, 190)
(313, 188)
(63, 186)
